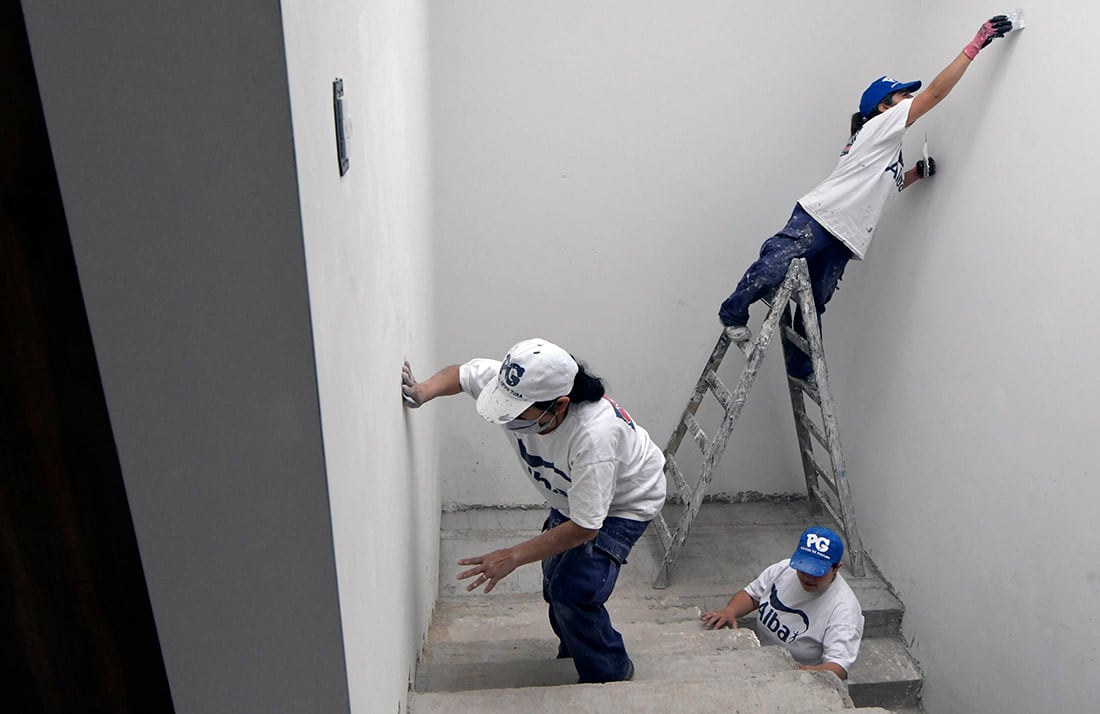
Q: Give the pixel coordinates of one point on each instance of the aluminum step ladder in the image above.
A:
(827, 488)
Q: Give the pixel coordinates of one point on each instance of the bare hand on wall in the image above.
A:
(410, 387)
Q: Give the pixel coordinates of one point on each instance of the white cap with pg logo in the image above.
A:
(533, 371)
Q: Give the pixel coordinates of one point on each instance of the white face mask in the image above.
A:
(530, 426)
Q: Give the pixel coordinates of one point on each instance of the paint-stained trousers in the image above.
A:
(576, 584)
(826, 258)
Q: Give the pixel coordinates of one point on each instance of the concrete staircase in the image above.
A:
(495, 653)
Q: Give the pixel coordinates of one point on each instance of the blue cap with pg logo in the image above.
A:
(879, 90)
(819, 549)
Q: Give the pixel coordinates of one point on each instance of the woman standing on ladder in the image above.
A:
(836, 220)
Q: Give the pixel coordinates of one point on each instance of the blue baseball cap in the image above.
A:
(879, 90)
(819, 549)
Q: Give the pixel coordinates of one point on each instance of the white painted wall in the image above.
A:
(369, 264)
(605, 171)
(966, 358)
(250, 311)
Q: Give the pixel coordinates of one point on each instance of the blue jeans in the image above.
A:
(576, 584)
(826, 258)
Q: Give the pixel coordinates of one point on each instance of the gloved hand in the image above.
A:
(926, 171)
(997, 26)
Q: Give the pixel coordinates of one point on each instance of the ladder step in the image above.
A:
(697, 432)
(718, 388)
(813, 429)
(828, 505)
(823, 477)
(808, 389)
(796, 339)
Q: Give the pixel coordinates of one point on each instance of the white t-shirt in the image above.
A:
(597, 463)
(851, 200)
(817, 627)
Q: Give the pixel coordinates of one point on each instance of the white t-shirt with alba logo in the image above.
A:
(598, 462)
(851, 200)
(816, 627)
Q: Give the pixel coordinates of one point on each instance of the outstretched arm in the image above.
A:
(939, 88)
(443, 383)
(739, 605)
(946, 80)
(493, 567)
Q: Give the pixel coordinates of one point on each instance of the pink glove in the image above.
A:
(995, 27)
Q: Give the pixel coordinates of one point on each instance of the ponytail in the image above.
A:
(857, 122)
(587, 387)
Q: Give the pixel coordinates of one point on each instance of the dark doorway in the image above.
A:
(76, 627)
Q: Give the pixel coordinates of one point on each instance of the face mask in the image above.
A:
(530, 426)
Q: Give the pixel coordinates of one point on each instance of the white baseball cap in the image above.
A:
(533, 371)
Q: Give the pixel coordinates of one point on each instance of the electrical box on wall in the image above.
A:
(341, 129)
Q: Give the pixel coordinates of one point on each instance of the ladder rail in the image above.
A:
(816, 433)
(847, 519)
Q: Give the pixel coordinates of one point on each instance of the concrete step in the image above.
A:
(506, 665)
(882, 611)
(524, 615)
(784, 692)
(670, 639)
(516, 627)
(885, 675)
(480, 531)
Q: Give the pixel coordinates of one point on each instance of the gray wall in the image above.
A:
(241, 297)
(605, 171)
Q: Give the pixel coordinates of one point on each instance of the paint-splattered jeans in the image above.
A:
(826, 257)
(576, 584)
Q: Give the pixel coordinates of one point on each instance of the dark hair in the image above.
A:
(858, 121)
(587, 387)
